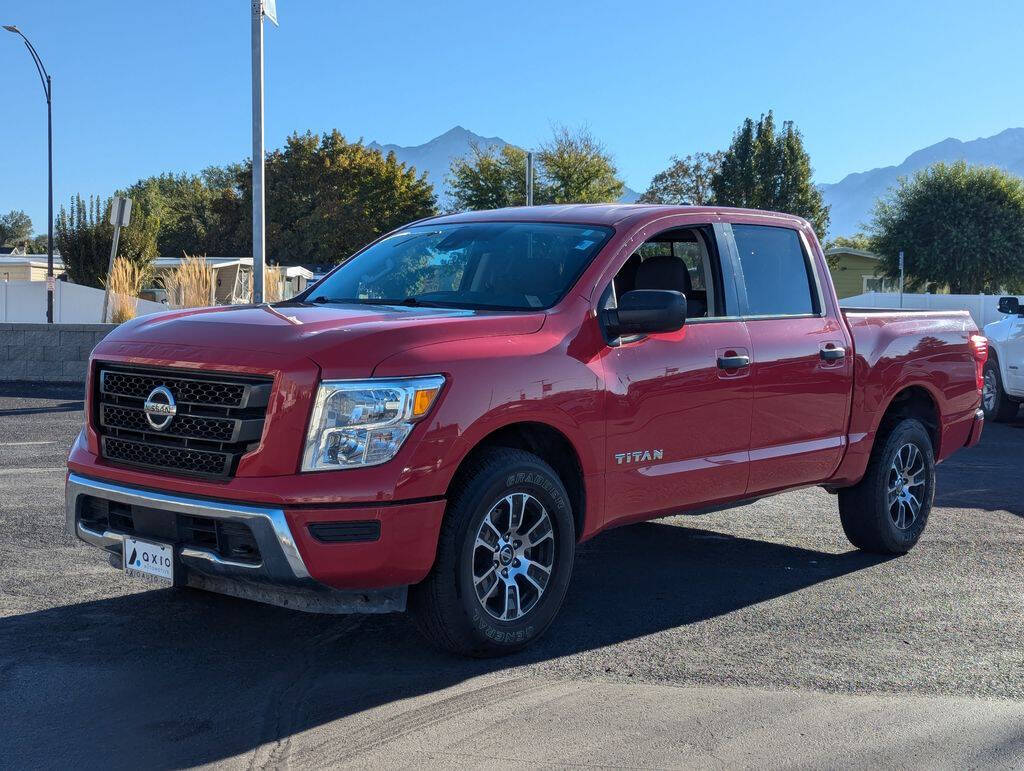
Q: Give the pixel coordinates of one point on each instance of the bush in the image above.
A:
(273, 279)
(190, 285)
(126, 281)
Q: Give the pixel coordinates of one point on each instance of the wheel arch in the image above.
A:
(913, 401)
(548, 443)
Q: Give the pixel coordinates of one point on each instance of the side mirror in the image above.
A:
(1009, 305)
(646, 311)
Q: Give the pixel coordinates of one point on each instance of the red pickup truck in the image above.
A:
(445, 416)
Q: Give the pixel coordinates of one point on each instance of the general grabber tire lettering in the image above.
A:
(504, 557)
(887, 511)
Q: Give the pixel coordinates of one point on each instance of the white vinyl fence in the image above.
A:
(983, 307)
(25, 301)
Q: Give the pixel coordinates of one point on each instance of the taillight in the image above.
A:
(979, 347)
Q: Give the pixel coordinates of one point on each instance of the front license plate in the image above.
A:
(151, 561)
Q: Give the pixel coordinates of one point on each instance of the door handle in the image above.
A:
(835, 353)
(733, 362)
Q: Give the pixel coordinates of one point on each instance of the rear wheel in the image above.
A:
(504, 557)
(887, 511)
(994, 400)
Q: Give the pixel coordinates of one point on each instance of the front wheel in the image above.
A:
(504, 557)
(886, 512)
(994, 401)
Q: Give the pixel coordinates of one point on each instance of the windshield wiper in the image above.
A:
(411, 302)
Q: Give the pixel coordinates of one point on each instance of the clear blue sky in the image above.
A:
(146, 87)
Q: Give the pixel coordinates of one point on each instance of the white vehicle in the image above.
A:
(1004, 371)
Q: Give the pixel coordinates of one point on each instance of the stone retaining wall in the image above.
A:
(50, 353)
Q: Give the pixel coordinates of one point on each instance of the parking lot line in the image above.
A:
(6, 472)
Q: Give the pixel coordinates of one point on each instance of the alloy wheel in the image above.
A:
(513, 556)
(989, 391)
(906, 486)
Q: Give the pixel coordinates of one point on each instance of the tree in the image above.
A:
(859, 241)
(686, 182)
(575, 168)
(83, 234)
(138, 242)
(327, 197)
(959, 226)
(769, 169)
(183, 206)
(490, 178)
(572, 167)
(15, 227)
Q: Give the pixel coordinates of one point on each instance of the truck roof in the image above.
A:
(597, 213)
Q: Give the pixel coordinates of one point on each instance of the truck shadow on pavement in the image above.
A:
(987, 476)
(169, 678)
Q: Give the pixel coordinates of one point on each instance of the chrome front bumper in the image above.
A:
(279, 578)
(280, 561)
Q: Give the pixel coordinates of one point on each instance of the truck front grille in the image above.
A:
(219, 418)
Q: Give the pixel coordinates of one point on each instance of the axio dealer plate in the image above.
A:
(151, 561)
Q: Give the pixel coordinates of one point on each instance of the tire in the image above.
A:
(873, 518)
(994, 400)
(447, 607)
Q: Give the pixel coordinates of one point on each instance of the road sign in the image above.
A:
(121, 212)
(120, 215)
(270, 11)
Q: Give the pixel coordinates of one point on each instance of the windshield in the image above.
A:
(486, 265)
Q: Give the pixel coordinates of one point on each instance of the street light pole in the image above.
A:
(529, 179)
(901, 278)
(44, 76)
(260, 8)
(259, 233)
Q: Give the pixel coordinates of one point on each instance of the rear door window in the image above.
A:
(775, 271)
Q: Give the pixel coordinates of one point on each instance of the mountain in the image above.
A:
(435, 157)
(853, 197)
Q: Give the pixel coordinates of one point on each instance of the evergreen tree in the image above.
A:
(765, 168)
(83, 235)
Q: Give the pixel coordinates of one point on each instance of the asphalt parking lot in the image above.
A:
(752, 637)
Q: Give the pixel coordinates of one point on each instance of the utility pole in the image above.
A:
(529, 179)
(259, 230)
(44, 76)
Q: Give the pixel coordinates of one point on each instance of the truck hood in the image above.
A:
(353, 336)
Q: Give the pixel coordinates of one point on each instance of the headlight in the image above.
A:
(365, 422)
